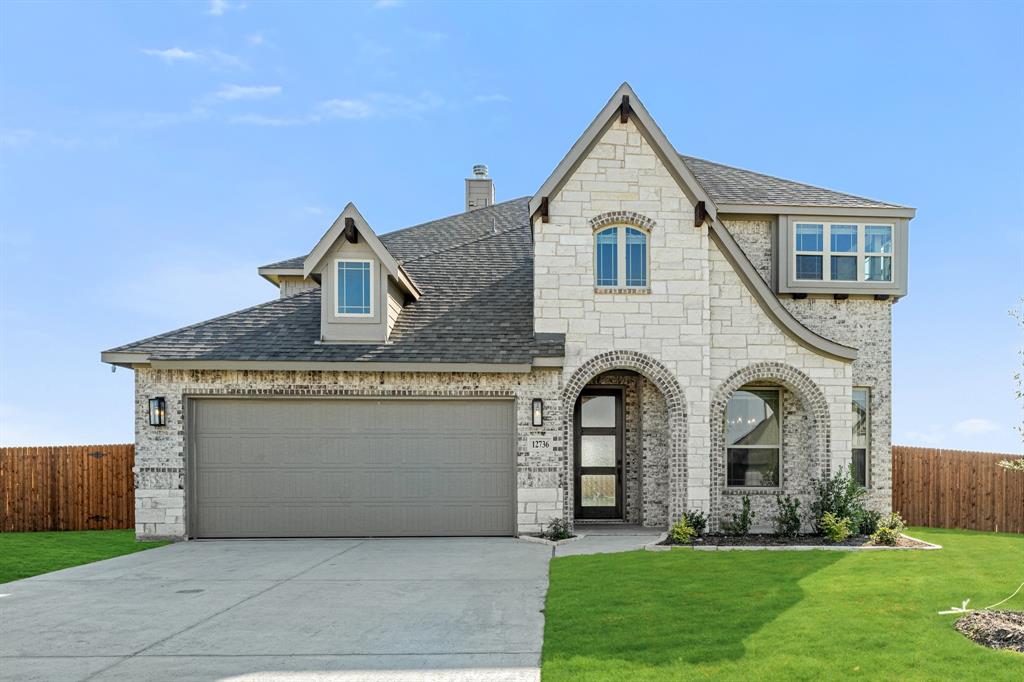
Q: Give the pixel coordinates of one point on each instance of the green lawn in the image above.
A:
(781, 615)
(23, 555)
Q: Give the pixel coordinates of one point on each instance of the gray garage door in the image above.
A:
(352, 467)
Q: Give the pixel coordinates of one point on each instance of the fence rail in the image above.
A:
(70, 487)
(957, 489)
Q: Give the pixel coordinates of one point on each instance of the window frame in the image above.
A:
(784, 278)
(337, 287)
(621, 261)
(859, 253)
(779, 448)
(867, 433)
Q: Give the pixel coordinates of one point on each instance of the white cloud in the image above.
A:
(975, 426)
(430, 38)
(272, 121)
(255, 39)
(213, 57)
(387, 4)
(379, 104)
(173, 54)
(232, 93)
(493, 97)
(344, 108)
(225, 60)
(219, 8)
(17, 137)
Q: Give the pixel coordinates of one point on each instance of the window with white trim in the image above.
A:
(753, 438)
(861, 435)
(355, 288)
(843, 252)
(621, 257)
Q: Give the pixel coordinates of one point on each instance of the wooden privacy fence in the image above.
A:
(957, 489)
(69, 487)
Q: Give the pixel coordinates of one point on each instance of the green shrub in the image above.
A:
(682, 533)
(557, 529)
(869, 522)
(697, 520)
(836, 529)
(889, 529)
(787, 516)
(839, 495)
(740, 523)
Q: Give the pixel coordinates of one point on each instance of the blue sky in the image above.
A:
(153, 155)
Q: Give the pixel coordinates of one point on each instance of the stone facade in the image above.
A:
(681, 347)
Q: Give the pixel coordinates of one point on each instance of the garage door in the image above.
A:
(353, 467)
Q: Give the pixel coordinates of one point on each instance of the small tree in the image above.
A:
(1018, 388)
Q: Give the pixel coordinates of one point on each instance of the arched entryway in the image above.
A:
(648, 428)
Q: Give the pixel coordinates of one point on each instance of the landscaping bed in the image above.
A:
(994, 629)
(766, 540)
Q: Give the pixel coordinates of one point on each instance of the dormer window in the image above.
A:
(355, 288)
(621, 258)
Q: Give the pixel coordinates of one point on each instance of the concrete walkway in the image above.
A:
(451, 609)
(608, 538)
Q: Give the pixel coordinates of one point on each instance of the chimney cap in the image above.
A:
(480, 170)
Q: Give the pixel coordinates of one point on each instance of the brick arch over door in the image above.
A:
(670, 389)
(809, 394)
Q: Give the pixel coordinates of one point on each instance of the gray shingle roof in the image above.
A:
(728, 185)
(475, 271)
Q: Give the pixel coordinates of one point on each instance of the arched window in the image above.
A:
(620, 257)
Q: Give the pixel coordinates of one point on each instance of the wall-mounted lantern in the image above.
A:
(157, 412)
(538, 412)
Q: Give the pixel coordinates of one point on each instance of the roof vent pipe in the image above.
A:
(479, 189)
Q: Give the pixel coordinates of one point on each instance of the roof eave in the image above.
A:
(790, 209)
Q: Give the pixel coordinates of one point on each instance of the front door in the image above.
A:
(598, 467)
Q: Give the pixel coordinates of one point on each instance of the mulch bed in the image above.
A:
(800, 540)
(994, 629)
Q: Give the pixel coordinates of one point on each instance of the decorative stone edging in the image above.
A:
(656, 547)
(552, 543)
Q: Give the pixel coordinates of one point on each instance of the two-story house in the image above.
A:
(648, 333)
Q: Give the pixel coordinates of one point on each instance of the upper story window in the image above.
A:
(621, 258)
(753, 436)
(843, 252)
(355, 288)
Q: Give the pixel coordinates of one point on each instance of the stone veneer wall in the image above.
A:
(859, 321)
(160, 451)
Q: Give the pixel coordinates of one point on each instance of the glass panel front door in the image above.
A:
(598, 432)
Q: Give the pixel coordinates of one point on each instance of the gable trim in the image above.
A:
(623, 104)
(342, 228)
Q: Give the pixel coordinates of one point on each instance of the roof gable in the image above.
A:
(624, 102)
(336, 232)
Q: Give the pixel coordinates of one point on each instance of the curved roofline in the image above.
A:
(770, 303)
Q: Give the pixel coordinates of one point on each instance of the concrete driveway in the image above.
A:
(452, 609)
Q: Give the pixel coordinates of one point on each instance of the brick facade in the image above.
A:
(688, 341)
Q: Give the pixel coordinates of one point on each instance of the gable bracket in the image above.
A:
(544, 209)
(700, 213)
(350, 231)
(624, 110)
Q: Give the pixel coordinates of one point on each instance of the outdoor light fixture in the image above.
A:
(157, 412)
(538, 412)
